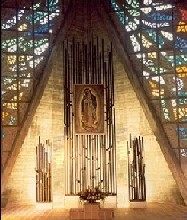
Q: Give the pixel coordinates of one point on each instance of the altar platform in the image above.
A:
(91, 211)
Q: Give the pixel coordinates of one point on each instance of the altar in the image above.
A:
(92, 211)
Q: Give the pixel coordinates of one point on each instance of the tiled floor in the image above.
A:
(151, 212)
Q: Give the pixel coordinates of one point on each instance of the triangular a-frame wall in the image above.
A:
(48, 123)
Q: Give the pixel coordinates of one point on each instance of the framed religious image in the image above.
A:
(89, 108)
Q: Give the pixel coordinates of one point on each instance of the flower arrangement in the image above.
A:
(92, 194)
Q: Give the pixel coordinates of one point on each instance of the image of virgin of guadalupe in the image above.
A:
(88, 110)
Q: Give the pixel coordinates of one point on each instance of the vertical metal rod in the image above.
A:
(94, 65)
(114, 147)
(76, 162)
(86, 64)
(96, 161)
(94, 144)
(73, 155)
(81, 165)
(100, 156)
(83, 64)
(100, 72)
(87, 161)
(112, 77)
(90, 63)
(102, 56)
(104, 164)
(37, 169)
(74, 80)
(129, 183)
(112, 157)
(97, 61)
(77, 63)
(92, 74)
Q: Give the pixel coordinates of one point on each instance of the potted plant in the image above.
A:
(92, 194)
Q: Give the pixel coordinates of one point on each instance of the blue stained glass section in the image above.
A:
(44, 28)
(182, 133)
(181, 44)
(27, 33)
(160, 17)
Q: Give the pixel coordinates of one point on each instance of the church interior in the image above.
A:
(94, 109)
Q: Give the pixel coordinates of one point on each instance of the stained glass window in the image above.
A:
(27, 30)
(157, 33)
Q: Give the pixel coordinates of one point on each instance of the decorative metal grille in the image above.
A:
(136, 170)
(90, 158)
(44, 172)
